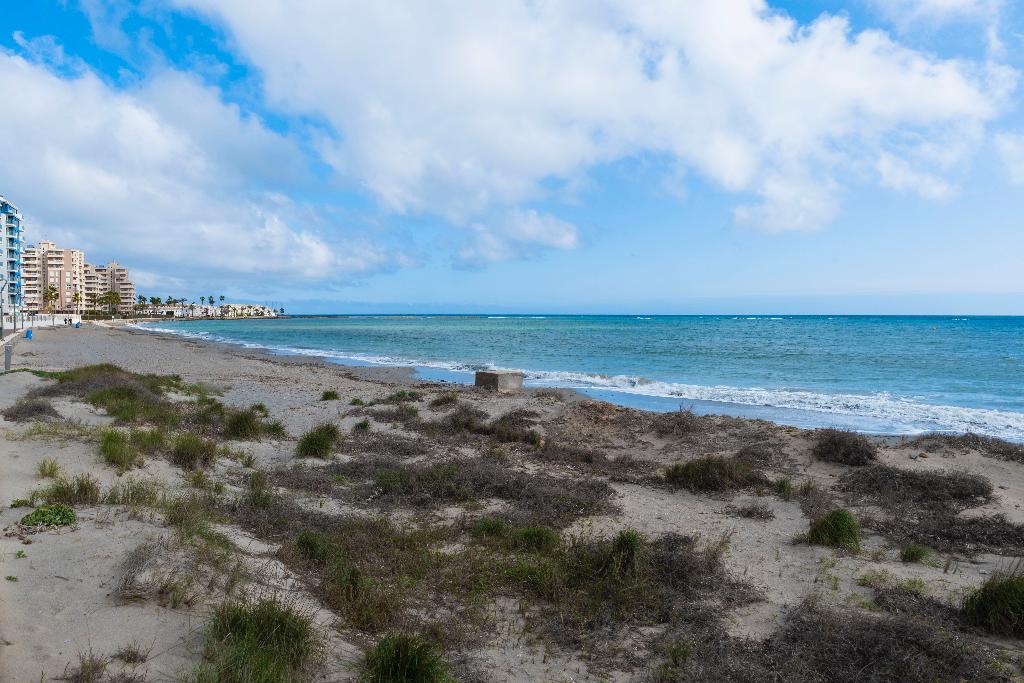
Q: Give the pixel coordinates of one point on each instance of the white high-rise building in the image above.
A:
(11, 231)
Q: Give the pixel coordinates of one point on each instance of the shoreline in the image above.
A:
(802, 418)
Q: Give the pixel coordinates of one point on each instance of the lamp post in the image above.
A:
(3, 288)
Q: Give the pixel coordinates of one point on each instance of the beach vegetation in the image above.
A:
(21, 503)
(116, 449)
(681, 422)
(361, 426)
(753, 511)
(319, 442)
(30, 409)
(714, 473)
(251, 423)
(260, 492)
(191, 451)
(898, 489)
(837, 529)
(402, 413)
(91, 668)
(915, 552)
(989, 446)
(149, 441)
(357, 402)
(57, 514)
(133, 653)
(316, 547)
(133, 492)
(843, 447)
(405, 657)
(784, 488)
(997, 606)
(402, 396)
(330, 395)
(82, 489)
(267, 640)
(48, 468)
(444, 401)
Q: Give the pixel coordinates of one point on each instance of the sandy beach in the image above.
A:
(583, 470)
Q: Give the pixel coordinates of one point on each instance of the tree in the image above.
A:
(282, 310)
(142, 300)
(202, 300)
(110, 300)
(50, 295)
(222, 298)
(76, 299)
(154, 301)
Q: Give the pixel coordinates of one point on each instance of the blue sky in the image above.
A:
(739, 156)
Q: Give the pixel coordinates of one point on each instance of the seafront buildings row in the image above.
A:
(46, 278)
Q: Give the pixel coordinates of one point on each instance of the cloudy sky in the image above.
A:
(528, 155)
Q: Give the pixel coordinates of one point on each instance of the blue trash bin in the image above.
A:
(78, 325)
(28, 334)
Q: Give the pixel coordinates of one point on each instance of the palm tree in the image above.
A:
(154, 301)
(202, 300)
(76, 299)
(110, 300)
(50, 295)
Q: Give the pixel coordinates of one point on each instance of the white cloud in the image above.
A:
(899, 174)
(519, 234)
(467, 110)
(163, 173)
(1011, 149)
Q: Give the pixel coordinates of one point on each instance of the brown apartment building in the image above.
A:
(79, 284)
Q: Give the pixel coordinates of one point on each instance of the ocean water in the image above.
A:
(885, 374)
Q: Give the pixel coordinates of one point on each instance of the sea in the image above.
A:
(874, 374)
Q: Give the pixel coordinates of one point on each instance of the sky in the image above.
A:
(590, 156)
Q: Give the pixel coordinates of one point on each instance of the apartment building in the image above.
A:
(11, 231)
(48, 267)
(112, 277)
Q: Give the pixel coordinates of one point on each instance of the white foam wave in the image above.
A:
(882, 406)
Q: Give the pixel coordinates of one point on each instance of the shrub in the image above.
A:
(784, 487)
(490, 526)
(535, 538)
(843, 447)
(48, 468)
(837, 529)
(362, 426)
(998, 604)
(895, 488)
(260, 493)
(318, 442)
(443, 401)
(57, 514)
(404, 657)
(264, 641)
(713, 473)
(251, 423)
(680, 422)
(131, 491)
(148, 440)
(30, 409)
(402, 396)
(191, 451)
(914, 552)
(356, 402)
(117, 450)
(82, 489)
(330, 395)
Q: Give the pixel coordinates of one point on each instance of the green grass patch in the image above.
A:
(82, 489)
(260, 641)
(57, 514)
(318, 442)
(998, 604)
(405, 657)
(191, 451)
(116, 449)
(251, 423)
(837, 529)
(330, 395)
(915, 552)
(136, 492)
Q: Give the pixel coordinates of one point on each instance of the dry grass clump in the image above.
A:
(843, 447)
(535, 496)
(318, 442)
(514, 426)
(402, 396)
(898, 489)
(681, 422)
(398, 414)
(384, 444)
(312, 479)
(986, 445)
(30, 409)
(752, 511)
(82, 489)
(822, 644)
(135, 492)
(837, 529)
(444, 401)
(714, 473)
(915, 553)
(998, 604)
(48, 468)
(953, 533)
(405, 657)
(91, 668)
(133, 653)
(265, 641)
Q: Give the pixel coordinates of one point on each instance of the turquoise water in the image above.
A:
(876, 374)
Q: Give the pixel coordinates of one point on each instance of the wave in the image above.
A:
(915, 415)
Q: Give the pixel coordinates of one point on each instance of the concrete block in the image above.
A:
(503, 382)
